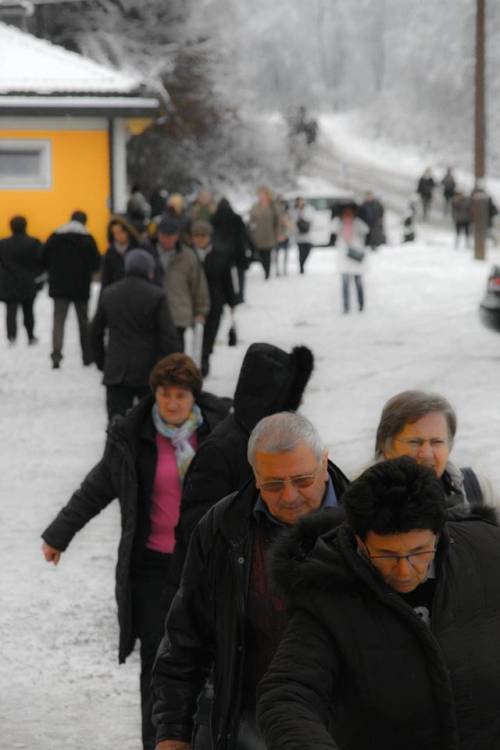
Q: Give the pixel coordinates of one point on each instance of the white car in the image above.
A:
(326, 207)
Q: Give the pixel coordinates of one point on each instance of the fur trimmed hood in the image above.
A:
(318, 552)
(270, 380)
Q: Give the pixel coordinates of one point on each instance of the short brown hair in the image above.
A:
(408, 407)
(177, 369)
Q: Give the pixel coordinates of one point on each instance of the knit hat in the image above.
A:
(139, 263)
(201, 228)
(169, 226)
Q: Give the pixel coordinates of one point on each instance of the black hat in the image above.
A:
(169, 226)
(139, 263)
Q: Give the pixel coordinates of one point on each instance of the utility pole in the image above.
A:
(480, 199)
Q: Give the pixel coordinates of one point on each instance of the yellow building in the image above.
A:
(64, 124)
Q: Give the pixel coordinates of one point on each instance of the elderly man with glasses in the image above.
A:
(394, 620)
(225, 619)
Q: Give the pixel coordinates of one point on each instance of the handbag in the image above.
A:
(354, 254)
(303, 225)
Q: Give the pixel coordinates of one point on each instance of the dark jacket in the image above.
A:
(206, 623)
(270, 381)
(71, 257)
(358, 668)
(136, 315)
(231, 235)
(20, 264)
(217, 267)
(425, 188)
(372, 213)
(126, 471)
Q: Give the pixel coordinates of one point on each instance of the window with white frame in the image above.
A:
(25, 164)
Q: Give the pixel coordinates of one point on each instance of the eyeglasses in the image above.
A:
(300, 483)
(416, 444)
(415, 559)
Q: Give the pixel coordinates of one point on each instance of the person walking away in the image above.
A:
(134, 317)
(372, 213)
(144, 463)
(231, 236)
(425, 189)
(351, 232)
(303, 217)
(217, 268)
(461, 212)
(265, 227)
(392, 639)
(225, 619)
(184, 279)
(71, 257)
(20, 267)
(449, 186)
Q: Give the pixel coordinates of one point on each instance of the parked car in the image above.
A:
(489, 309)
(326, 207)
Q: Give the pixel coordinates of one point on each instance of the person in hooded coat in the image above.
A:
(392, 639)
(270, 381)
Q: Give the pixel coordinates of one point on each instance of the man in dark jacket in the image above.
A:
(372, 213)
(425, 189)
(71, 257)
(270, 380)
(135, 313)
(393, 639)
(225, 617)
(217, 266)
(20, 265)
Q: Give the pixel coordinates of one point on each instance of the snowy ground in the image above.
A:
(61, 687)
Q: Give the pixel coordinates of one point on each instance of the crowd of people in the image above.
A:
(278, 603)
(456, 203)
(197, 253)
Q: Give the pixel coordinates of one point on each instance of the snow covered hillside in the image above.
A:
(61, 686)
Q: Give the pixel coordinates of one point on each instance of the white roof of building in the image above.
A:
(35, 66)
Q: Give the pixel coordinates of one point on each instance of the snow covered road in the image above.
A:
(61, 687)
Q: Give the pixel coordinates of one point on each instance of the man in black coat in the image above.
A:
(71, 257)
(392, 640)
(135, 313)
(225, 619)
(20, 265)
(217, 266)
(270, 380)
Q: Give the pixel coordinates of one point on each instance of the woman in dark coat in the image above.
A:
(231, 235)
(20, 264)
(122, 237)
(145, 459)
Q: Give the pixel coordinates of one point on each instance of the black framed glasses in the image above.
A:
(415, 559)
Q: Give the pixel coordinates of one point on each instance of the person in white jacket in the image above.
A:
(352, 259)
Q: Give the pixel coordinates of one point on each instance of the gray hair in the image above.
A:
(281, 433)
(408, 407)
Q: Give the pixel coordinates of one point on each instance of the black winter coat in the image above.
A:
(126, 471)
(20, 264)
(357, 668)
(231, 236)
(113, 263)
(71, 257)
(136, 315)
(270, 381)
(206, 623)
(217, 267)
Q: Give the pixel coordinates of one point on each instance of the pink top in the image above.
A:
(166, 499)
(347, 221)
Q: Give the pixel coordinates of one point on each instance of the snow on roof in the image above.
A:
(32, 65)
